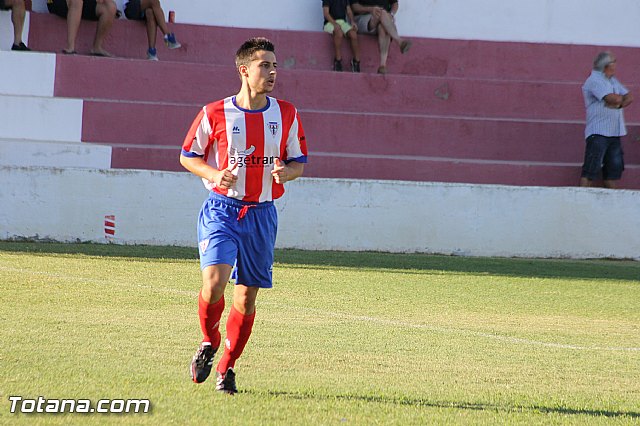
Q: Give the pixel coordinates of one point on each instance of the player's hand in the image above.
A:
(279, 172)
(225, 178)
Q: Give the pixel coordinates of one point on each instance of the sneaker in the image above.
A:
(382, 69)
(201, 363)
(171, 42)
(355, 66)
(20, 47)
(152, 54)
(337, 65)
(226, 383)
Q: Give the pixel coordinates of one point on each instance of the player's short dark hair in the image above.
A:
(251, 46)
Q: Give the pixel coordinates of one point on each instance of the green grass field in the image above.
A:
(341, 339)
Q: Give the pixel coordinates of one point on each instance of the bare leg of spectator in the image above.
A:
(338, 35)
(585, 182)
(152, 27)
(355, 48)
(384, 41)
(73, 23)
(386, 20)
(17, 18)
(106, 11)
(611, 184)
(155, 7)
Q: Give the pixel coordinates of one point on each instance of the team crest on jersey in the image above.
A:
(273, 128)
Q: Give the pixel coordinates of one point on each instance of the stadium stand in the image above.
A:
(450, 111)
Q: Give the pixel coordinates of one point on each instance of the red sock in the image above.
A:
(238, 332)
(210, 320)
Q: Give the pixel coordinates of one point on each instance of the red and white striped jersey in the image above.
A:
(225, 134)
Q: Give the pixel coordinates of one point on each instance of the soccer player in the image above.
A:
(244, 147)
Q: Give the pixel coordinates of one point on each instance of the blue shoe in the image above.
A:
(152, 54)
(171, 42)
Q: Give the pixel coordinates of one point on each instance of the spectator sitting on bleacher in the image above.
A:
(103, 11)
(17, 18)
(378, 17)
(336, 13)
(151, 12)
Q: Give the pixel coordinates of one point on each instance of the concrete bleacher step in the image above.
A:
(27, 74)
(508, 152)
(397, 167)
(122, 79)
(450, 110)
(40, 118)
(460, 170)
(314, 51)
(141, 123)
(23, 152)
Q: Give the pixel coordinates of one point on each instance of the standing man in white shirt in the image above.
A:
(604, 98)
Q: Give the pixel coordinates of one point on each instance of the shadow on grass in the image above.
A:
(533, 268)
(103, 250)
(420, 402)
(518, 267)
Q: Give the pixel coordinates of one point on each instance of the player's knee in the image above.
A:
(214, 289)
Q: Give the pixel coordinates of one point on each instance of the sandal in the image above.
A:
(101, 54)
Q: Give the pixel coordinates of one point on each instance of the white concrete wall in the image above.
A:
(607, 23)
(40, 118)
(36, 128)
(321, 214)
(30, 74)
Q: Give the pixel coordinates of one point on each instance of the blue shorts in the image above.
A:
(236, 232)
(604, 154)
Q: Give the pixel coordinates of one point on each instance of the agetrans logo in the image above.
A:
(244, 158)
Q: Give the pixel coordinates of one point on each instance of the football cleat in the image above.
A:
(201, 363)
(226, 383)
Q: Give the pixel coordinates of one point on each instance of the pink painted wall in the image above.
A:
(449, 110)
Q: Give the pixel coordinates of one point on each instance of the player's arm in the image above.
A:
(286, 172)
(196, 165)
